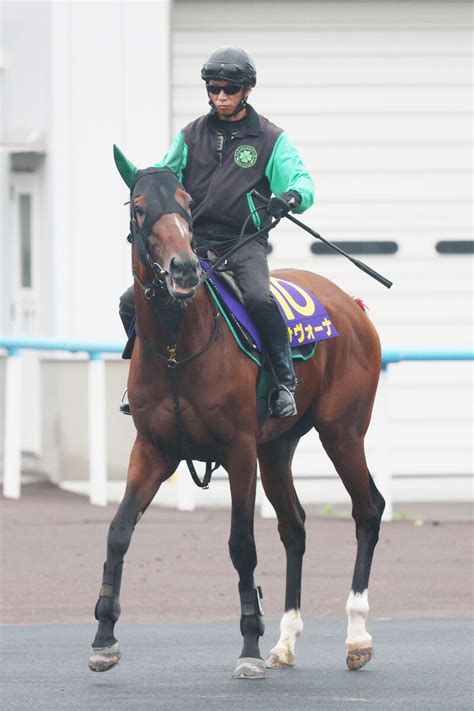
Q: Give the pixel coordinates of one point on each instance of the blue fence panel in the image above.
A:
(13, 344)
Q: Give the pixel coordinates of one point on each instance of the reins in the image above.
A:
(241, 243)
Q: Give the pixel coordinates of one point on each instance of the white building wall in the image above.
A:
(25, 40)
(110, 85)
(87, 74)
(4, 161)
(24, 101)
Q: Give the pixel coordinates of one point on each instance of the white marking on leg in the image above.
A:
(357, 609)
(291, 626)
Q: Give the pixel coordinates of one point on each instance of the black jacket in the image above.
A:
(221, 162)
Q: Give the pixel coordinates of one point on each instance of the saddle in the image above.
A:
(306, 318)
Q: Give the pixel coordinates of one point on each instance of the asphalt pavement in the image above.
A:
(179, 630)
(418, 665)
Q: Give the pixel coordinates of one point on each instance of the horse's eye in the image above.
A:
(139, 210)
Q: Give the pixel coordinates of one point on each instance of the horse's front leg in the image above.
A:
(241, 465)
(147, 470)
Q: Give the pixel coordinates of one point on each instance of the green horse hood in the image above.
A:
(126, 169)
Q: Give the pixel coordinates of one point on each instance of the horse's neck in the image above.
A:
(171, 316)
(169, 323)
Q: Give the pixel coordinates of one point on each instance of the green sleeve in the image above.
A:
(176, 157)
(285, 171)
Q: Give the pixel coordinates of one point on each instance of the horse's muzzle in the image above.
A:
(184, 275)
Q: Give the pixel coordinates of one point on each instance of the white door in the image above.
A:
(24, 307)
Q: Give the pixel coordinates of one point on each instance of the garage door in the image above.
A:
(377, 96)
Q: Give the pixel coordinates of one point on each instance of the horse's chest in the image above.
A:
(204, 422)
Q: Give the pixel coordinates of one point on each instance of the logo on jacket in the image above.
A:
(245, 156)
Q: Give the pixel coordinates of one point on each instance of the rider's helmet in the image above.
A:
(232, 64)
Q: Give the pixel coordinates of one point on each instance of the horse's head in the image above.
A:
(161, 226)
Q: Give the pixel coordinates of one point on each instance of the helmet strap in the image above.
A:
(240, 107)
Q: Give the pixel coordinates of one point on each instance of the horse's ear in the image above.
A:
(183, 198)
(126, 169)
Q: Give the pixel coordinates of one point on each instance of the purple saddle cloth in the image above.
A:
(306, 318)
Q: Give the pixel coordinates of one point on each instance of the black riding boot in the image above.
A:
(281, 401)
(127, 316)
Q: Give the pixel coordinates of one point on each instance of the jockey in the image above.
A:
(220, 158)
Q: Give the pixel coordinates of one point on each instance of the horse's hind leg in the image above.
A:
(146, 472)
(275, 470)
(347, 454)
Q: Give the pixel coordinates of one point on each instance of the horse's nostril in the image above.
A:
(176, 267)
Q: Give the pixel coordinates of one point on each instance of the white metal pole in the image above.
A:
(97, 441)
(12, 429)
(383, 472)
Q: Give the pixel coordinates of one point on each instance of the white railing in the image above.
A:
(97, 421)
(96, 410)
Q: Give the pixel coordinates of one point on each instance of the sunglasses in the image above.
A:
(228, 90)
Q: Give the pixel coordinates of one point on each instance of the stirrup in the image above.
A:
(124, 406)
(282, 409)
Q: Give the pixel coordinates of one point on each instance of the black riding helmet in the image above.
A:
(232, 64)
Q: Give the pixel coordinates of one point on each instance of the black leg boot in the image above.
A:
(250, 664)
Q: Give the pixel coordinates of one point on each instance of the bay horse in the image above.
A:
(179, 332)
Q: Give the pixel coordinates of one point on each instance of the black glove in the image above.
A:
(279, 206)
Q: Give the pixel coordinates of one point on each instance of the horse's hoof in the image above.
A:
(104, 658)
(358, 656)
(280, 659)
(249, 668)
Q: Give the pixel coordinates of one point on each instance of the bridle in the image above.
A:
(160, 202)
